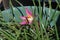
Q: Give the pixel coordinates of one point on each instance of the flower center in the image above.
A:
(30, 18)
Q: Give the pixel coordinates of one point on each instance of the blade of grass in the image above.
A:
(49, 8)
(25, 34)
(42, 32)
(20, 4)
(56, 32)
(11, 7)
(14, 28)
(40, 10)
(8, 36)
(45, 32)
(34, 2)
(57, 3)
(37, 30)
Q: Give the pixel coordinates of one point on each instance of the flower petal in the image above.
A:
(23, 23)
(23, 17)
(28, 12)
(30, 22)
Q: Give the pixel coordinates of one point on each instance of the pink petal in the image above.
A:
(30, 22)
(23, 17)
(23, 23)
(28, 12)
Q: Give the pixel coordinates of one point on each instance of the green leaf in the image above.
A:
(7, 15)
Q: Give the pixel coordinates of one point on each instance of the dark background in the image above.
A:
(30, 3)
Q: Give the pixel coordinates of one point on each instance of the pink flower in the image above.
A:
(28, 18)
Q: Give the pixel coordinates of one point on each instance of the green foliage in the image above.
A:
(43, 26)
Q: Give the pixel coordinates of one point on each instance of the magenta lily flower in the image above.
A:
(28, 18)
